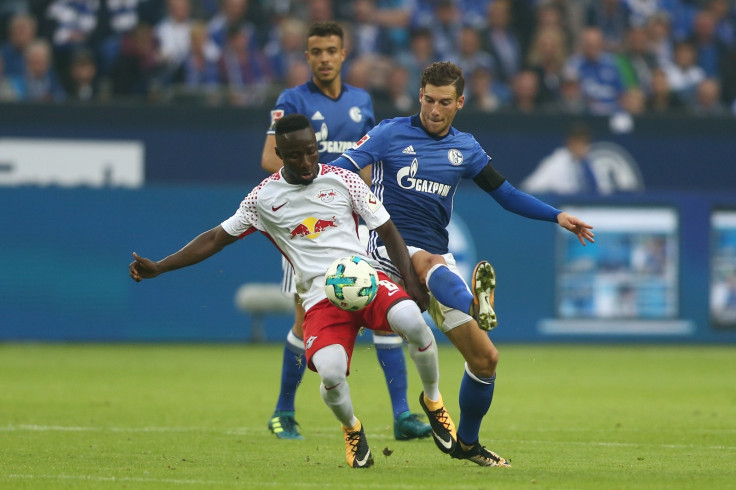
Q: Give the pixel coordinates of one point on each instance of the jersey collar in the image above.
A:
(416, 122)
(315, 89)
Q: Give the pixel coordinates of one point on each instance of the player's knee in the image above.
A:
(331, 364)
(405, 318)
(484, 364)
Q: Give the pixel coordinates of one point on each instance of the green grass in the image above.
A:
(191, 416)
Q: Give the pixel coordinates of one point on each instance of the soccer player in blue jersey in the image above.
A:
(418, 162)
(340, 114)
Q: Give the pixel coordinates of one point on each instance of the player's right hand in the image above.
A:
(142, 268)
(420, 296)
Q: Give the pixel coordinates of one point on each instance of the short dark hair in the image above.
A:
(291, 123)
(442, 73)
(326, 29)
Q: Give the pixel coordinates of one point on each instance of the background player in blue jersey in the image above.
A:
(340, 114)
(418, 162)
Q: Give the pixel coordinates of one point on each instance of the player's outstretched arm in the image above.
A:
(205, 245)
(577, 226)
(399, 255)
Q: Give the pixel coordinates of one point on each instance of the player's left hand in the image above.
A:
(577, 226)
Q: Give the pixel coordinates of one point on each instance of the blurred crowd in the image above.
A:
(596, 57)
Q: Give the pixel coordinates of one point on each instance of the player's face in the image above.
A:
(325, 56)
(438, 107)
(300, 154)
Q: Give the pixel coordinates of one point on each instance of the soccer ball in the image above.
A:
(351, 283)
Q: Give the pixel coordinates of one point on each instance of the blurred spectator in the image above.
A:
(525, 92)
(483, 94)
(368, 37)
(393, 17)
(445, 27)
(566, 171)
(501, 41)
(395, 96)
(547, 57)
(231, 13)
(72, 24)
(598, 74)
(298, 74)
(319, 10)
(7, 90)
(21, 32)
(136, 70)
(634, 101)
(636, 61)
(659, 37)
(711, 51)
(571, 96)
(565, 15)
(661, 100)
(82, 77)
(707, 100)
(173, 34)
(288, 48)
(724, 14)
(39, 82)
(358, 74)
(419, 56)
(612, 18)
(473, 13)
(243, 68)
(10, 8)
(115, 19)
(684, 74)
(199, 74)
(471, 57)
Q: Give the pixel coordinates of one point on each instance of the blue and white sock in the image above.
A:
(292, 371)
(448, 288)
(390, 352)
(476, 395)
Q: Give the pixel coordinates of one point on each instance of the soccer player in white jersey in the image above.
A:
(287, 207)
(418, 162)
(340, 114)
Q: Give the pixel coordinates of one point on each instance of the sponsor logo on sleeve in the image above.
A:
(276, 115)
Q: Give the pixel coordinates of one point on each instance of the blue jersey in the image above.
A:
(338, 123)
(416, 175)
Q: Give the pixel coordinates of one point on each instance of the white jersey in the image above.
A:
(312, 225)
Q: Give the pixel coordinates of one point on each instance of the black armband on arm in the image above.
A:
(489, 179)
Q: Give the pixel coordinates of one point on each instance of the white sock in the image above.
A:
(331, 363)
(406, 319)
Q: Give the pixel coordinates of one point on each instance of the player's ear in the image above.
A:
(278, 153)
(460, 102)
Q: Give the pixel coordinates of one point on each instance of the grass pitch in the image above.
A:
(192, 416)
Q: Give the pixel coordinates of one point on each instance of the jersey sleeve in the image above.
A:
(284, 105)
(365, 203)
(368, 150)
(245, 220)
(477, 161)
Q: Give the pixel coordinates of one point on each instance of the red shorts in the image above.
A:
(326, 324)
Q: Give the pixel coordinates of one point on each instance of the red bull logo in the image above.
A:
(312, 227)
(326, 195)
